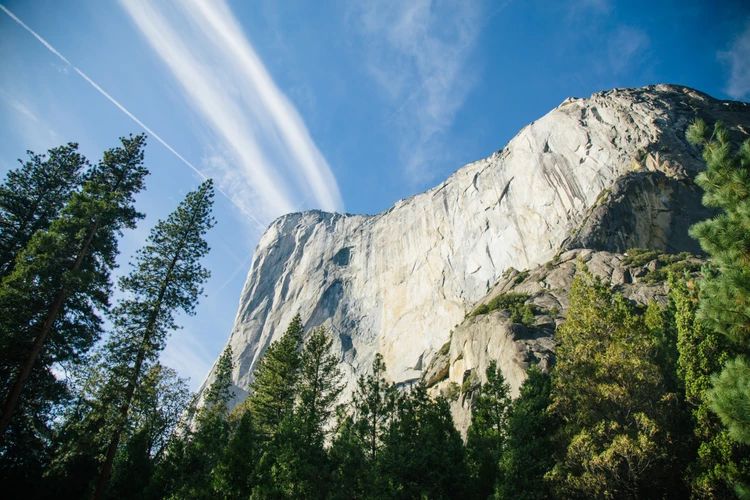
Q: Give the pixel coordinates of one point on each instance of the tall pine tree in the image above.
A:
(48, 303)
(725, 293)
(167, 277)
(33, 195)
(273, 392)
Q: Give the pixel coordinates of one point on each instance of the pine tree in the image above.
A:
(373, 404)
(725, 293)
(349, 465)
(203, 448)
(717, 464)
(167, 277)
(48, 303)
(82, 433)
(526, 457)
(157, 409)
(320, 385)
(234, 475)
(301, 465)
(422, 454)
(271, 404)
(272, 393)
(357, 446)
(33, 195)
(485, 439)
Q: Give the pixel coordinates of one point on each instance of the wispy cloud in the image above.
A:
(420, 63)
(263, 154)
(738, 58)
(121, 107)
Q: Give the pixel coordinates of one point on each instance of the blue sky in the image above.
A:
(327, 104)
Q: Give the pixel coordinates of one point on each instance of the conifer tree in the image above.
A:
(725, 293)
(167, 277)
(271, 403)
(319, 387)
(422, 454)
(273, 392)
(48, 303)
(157, 409)
(373, 404)
(487, 433)
(527, 455)
(359, 440)
(204, 447)
(235, 474)
(718, 462)
(33, 195)
(301, 464)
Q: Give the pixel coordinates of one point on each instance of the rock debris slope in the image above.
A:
(609, 172)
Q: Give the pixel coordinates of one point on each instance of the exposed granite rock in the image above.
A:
(482, 338)
(398, 282)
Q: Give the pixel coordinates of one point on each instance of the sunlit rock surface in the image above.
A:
(609, 172)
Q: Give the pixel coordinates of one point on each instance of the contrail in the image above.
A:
(125, 110)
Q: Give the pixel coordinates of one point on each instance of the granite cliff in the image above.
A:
(606, 173)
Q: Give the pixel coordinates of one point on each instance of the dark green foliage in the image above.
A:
(527, 456)
(422, 454)
(300, 466)
(83, 432)
(195, 456)
(33, 195)
(487, 434)
(319, 387)
(396, 444)
(234, 474)
(725, 295)
(730, 399)
(725, 290)
(514, 303)
(274, 388)
(156, 413)
(351, 475)
(718, 462)
(49, 302)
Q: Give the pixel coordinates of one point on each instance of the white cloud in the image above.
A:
(417, 53)
(738, 58)
(264, 156)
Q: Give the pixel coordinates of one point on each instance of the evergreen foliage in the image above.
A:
(487, 434)
(526, 457)
(49, 302)
(167, 277)
(33, 195)
(725, 290)
(274, 388)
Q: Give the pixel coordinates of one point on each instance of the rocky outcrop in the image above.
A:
(460, 368)
(611, 171)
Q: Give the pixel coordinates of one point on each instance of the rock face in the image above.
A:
(609, 172)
